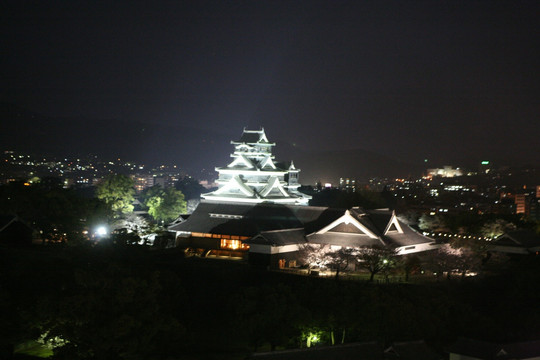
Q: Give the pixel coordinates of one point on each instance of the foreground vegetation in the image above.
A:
(120, 302)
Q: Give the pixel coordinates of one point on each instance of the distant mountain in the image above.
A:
(190, 148)
(359, 164)
(195, 150)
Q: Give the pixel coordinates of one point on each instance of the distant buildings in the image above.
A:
(142, 181)
(446, 171)
(522, 205)
(347, 184)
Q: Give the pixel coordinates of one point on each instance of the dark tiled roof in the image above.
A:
(491, 351)
(345, 228)
(341, 239)
(523, 350)
(5, 220)
(364, 351)
(279, 237)
(253, 219)
(252, 137)
(380, 219)
(524, 238)
(408, 238)
(248, 219)
(411, 350)
(366, 220)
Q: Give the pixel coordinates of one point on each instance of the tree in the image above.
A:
(409, 264)
(190, 187)
(118, 191)
(431, 223)
(376, 259)
(496, 228)
(57, 214)
(315, 256)
(164, 204)
(132, 223)
(340, 259)
(460, 257)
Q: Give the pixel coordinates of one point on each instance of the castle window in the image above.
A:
(233, 245)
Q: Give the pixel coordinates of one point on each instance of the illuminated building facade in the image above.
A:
(142, 181)
(446, 171)
(522, 204)
(347, 184)
(271, 234)
(254, 177)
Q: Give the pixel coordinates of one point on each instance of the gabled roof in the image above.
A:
(379, 218)
(6, 220)
(279, 237)
(273, 183)
(353, 219)
(344, 240)
(409, 237)
(357, 228)
(494, 351)
(522, 238)
(235, 183)
(411, 350)
(267, 162)
(281, 223)
(243, 161)
(253, 137)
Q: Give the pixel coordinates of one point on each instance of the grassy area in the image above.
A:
(33, 348)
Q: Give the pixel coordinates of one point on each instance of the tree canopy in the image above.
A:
(164, 204)
(118, 191)
(58, 214)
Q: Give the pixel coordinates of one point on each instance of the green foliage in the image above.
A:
(431, 223)
(164, 204)
(58, 214)
(109, 302)
(496, 228)
(118, 191)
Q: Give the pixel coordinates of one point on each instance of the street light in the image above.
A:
(101, 231)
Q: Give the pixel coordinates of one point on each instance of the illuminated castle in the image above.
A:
(254, 177)
(258, 214)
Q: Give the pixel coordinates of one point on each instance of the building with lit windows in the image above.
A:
(142, 181)
(446, 171)
(522, 204)
(347, 184)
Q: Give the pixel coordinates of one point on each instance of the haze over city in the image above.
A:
(451, 82)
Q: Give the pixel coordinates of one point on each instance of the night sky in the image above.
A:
(444, 80)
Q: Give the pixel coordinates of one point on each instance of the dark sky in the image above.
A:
(412, 79)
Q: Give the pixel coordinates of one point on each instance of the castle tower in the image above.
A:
(254, 177)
